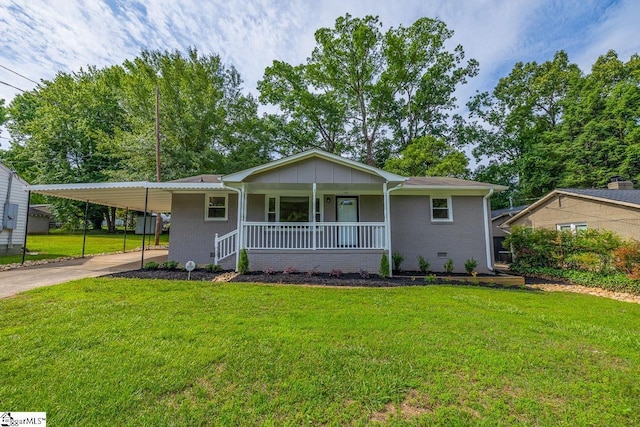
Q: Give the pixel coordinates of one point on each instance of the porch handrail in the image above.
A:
(314, 235)
(225, 246)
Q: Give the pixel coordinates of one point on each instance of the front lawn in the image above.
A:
(149, 352)
(57, 245)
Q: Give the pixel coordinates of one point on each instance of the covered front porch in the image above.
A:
(297, 224)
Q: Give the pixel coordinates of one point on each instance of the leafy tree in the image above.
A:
(365, 93)
(206, 122)
(517, 132)
(429, 156)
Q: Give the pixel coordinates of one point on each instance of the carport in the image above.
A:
(143, 196)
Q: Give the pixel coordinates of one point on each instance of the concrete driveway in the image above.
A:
(25, 278)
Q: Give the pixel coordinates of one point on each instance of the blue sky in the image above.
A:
(39, 38)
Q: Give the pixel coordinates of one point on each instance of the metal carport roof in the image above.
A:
(124, 195)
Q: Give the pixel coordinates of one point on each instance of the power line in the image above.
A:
(18, 74)
(15, 87)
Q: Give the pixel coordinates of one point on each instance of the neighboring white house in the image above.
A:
(13, 210)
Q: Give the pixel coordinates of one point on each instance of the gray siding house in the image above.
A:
(317, 211)
(311, 211)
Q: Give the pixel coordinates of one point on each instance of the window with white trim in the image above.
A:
(289, 209)
(215, 208)
(441, 209)
(573, 227)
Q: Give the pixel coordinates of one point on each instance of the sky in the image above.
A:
(39, 38)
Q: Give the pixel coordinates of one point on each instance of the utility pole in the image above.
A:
(158, 175)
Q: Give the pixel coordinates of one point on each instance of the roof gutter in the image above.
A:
(487, 230)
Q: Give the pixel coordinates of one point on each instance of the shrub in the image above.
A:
(269, 271)
(151, 265)
(469, 265)
(448, 266)
(430, 278)
(626, 258)
(364, 274)
(312, 272)
(289, 270)
(213, 268)
(423, 264)
(169, 265)
(384, 265)
(335, 273)
(397, 261)
(243, 264)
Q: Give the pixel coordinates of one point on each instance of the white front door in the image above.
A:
(347, 212)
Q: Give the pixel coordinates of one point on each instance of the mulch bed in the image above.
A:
(352, 279)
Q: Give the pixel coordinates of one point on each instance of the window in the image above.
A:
(215, 207)
(318, 211)
(572, 227)
(288, 209)
(271, 209)
(441, 209)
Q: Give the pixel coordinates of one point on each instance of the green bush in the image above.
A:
(430, 278)
(563, 249)
(384, 265)
(397, 261)
(169, 265)
(213, 268)
(243, 264)
(609, 281)
(423, 264)
(470, 265)
(448, 266)
(151, 265)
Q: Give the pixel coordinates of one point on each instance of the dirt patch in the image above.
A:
(415, 404)
(562, 287)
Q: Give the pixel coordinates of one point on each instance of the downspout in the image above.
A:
(387, 203)
(6, 206)
(487, 230)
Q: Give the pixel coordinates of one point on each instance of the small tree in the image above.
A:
(470, 265)
(243, 264)
(448, 266)
(397, 261)
(384, 265)
(423, 264)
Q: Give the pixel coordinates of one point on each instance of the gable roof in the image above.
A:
(242, 175)
(629, 198)
(497, 213)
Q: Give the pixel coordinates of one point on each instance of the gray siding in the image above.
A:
(371, 209)
(11, 241)
(413, 233)
(191, 237)
(316, 170)
(255, 207)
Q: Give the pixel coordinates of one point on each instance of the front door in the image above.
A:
(347, 212)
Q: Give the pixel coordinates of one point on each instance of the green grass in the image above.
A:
(56, 245)
(115, 351)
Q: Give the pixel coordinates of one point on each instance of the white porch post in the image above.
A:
(387, 225)
(240, 225)
(314, 230)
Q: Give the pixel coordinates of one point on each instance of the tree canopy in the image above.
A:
(368, 94)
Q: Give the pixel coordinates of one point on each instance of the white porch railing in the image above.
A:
(225, 246)
(308, 235)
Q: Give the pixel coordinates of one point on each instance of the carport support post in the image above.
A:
(84, 237)
(124, 243)
(26, 227)
(144, 224)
